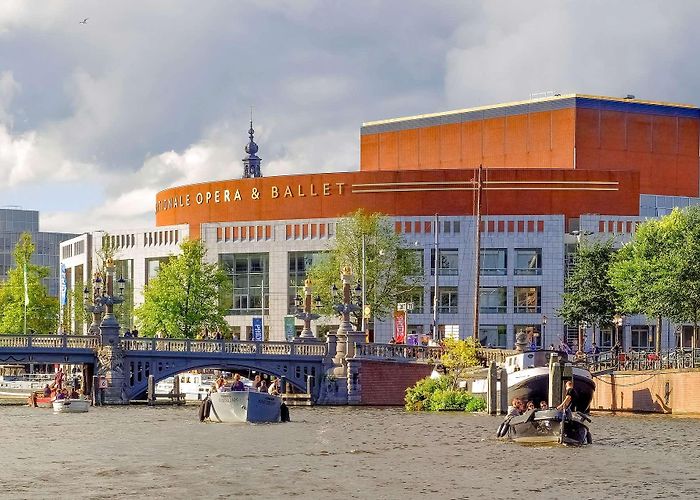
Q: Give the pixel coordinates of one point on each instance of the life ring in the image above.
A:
(503, 428)
(204, 409)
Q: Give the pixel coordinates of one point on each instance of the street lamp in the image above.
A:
(306, 315)
(618, 320)
(346, 307)
(544, 331)
(103, 302)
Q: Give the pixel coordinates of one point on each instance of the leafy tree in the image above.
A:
(42, 310)
(391, 271)
(457, 358)
(589, 296)
(658, 272)
(183, 299)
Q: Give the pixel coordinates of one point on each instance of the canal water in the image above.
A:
(343, 452)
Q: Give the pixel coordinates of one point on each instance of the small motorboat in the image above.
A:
(243, 406)
(547, 426)
(71, 405)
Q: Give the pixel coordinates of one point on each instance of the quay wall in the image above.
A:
(384, 383)
(662, 391)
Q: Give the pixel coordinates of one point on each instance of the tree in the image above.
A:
(183, 299)
(658, 272)
(391, 271)
(42, 310)
(589, 296)
(458, 357)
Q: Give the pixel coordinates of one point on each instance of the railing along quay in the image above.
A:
(674, 359)
(50, 341)
(224, 347)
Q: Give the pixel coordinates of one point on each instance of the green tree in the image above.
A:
(589, 296)
(658, 272)
(183, 299)
(457, 358)
(42, 310)
(391, 271)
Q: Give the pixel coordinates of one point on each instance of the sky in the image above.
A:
(96, 118)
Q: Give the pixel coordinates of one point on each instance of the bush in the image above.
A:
(437, 395)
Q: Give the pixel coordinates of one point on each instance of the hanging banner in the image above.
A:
(290, 329)
(63, 293)
(257, 330)
(400, 327)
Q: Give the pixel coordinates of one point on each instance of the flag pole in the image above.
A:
(26, 298)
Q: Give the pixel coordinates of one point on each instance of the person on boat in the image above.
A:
(58, 378)
(237, 383)
(74, 394)
(263, 386)
(61, 395)
(256, 383)
(544, 405)
(47, 391)
(220, 382)
(530, 405)
(517, 407)
(274, 389)
(569, 402)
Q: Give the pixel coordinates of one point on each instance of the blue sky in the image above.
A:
(96, 118)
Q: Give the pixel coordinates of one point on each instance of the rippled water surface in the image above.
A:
(164, 452)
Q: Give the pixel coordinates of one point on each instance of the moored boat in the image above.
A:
(547, 426)
(71, 405)
(243, 406)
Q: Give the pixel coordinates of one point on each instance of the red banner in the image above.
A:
(400, 327)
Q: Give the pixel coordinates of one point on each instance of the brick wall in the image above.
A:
(671, 391)
(385, 382)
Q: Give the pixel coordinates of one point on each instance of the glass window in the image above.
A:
(528, 261)
(299, 265)
(415, 298)
(251, 283)
(447, 299)
(606, 338)
(532, 332)
(153, 265)
(493, 336)
(448, 262)
(527, 299)
(493, 261)
(642, 338)
(492, 300)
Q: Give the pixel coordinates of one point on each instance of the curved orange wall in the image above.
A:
(400, 193)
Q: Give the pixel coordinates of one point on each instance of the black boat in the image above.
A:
(547, 426)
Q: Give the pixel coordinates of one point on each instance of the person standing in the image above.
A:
(58, 378)
(571, 398)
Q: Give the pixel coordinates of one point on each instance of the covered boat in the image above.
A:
(242, 406)
(71, 405)
(547, 426)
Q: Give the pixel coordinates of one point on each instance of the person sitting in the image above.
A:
(544, 405)
(530, 405)
(47, 391)
(73, 393)
(274, 389)
(517, 407)
(237, 383)
(60, 395)
(263, 386)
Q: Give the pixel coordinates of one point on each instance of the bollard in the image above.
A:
(309, 384)
(176, 389)
(491, 392)
(504, 391)
(94, 389)
(151, 391)
(283, 385)
(555, 380)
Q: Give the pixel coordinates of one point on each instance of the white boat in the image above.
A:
(242, 406)
(195, 386)
(21, 386)
(71, 405)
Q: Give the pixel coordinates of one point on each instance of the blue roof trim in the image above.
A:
(535, 107)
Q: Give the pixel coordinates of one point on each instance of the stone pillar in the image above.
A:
(354, 386)
(504, 391)
(491, 389)
(555, 380)
(353, 338)
(110, 364)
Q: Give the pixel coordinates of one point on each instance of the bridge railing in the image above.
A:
(315, 349)
(643, 360)
(398, 351)
(49, 341)
(486, 355)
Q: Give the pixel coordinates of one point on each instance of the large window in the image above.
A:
(493, 336)
(299, 265)
(492, 300)
(493, 262)
(447, 300)
(642, 338)
(528, 261)
(527, 299)
(606, 338)
(153, 266)
(249, 273)
(414, 297)
(448, 263)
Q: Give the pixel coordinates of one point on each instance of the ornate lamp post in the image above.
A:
(618, 319)
(544, 330)
(306, 315)
(344, 309)
(579, 352)
(102, 305)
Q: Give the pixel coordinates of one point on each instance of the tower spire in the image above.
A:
(251, 163)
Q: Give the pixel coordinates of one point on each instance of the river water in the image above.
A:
(343, 452)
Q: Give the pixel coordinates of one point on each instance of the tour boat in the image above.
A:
(195, 386)
(547, 426)
(243, 406)
(71, 405)
(528, 379)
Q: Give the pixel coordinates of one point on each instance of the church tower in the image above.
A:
(251, 163)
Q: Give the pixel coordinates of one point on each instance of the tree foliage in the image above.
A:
(392, 272)
(589, 296)
(42, 310)
(658, 272)
(183, 300)
(458, 357)
(436, 394)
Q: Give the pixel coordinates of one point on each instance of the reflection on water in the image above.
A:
(164, 452)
